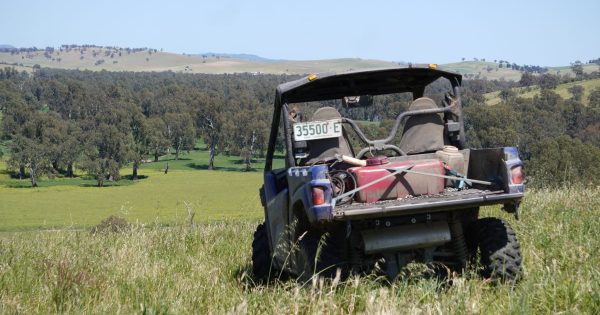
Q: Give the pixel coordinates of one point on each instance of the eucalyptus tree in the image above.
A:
(157, 135)
(15, 114)
(180, 131)
(32, 145)
(210, 119)
(108, 142)
(140, 141)
(245, 131)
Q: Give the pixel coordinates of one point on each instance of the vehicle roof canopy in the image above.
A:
(365, 82)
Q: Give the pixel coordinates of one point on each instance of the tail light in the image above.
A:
(318, 196)
(517, 176)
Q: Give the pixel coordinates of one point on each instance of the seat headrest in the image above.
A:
(325, 113)
(422, 103)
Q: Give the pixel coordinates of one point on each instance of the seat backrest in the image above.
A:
(423, 133)
(326, 149)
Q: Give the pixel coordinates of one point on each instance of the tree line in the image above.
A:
(103, 121)
(56, 120)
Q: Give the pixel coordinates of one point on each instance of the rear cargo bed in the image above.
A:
(448, 200)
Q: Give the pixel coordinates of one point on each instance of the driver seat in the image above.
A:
(423, 133)
(325, 149)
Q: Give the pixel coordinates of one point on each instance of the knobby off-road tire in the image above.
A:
(499, 250)
(319, 253)
(261, 254)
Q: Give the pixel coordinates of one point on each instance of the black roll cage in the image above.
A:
(348, 84)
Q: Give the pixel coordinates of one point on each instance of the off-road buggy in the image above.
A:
(414, 197)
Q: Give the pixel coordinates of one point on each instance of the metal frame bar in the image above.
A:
(379, 144)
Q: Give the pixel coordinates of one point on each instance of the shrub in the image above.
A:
(112, 224)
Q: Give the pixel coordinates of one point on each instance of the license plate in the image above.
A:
(313, 130)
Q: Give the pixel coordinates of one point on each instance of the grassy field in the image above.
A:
(206, 269)
(157, 197)
(493, 98)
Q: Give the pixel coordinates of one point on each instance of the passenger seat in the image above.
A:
(423, 133)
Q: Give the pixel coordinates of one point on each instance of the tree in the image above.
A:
(577, 68)
(507, 94)
(527, 79)
(210, 121)
(32, 154)
(158, 140)
(56, 133)
(245, 132)
(491, 126)
(563, 160)
(181, 132)
(71, 147)
(108, 140)
(31, 146)
(594, 98)
(16, 114)
(139, 145)
(548, 81)
(577, 92)
(105, 152)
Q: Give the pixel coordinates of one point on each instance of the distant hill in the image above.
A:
(5, 46)
(118, 59)
(482, 69)
(122, 59)
(492, 70)
(247, 57)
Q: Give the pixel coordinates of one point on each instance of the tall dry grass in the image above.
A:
(154, 270)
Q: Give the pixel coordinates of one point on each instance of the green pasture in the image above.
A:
(227, 192)
(158, 198)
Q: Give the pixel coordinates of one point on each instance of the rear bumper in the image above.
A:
(424, 205)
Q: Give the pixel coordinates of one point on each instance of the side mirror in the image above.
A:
(357, 101)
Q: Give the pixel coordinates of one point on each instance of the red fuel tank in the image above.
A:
(401, 185)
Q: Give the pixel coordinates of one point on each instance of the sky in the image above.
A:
(545, 33)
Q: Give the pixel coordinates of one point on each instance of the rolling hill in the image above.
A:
(97, 59)
(121, 59)
(482, 69)
(491, 70)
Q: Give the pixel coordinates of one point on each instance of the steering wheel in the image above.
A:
(392, 147)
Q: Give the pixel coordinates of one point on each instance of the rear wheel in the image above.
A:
(318, 252)
(499, 250)
(261, 254)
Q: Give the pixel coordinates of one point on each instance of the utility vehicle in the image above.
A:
(408, 197)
